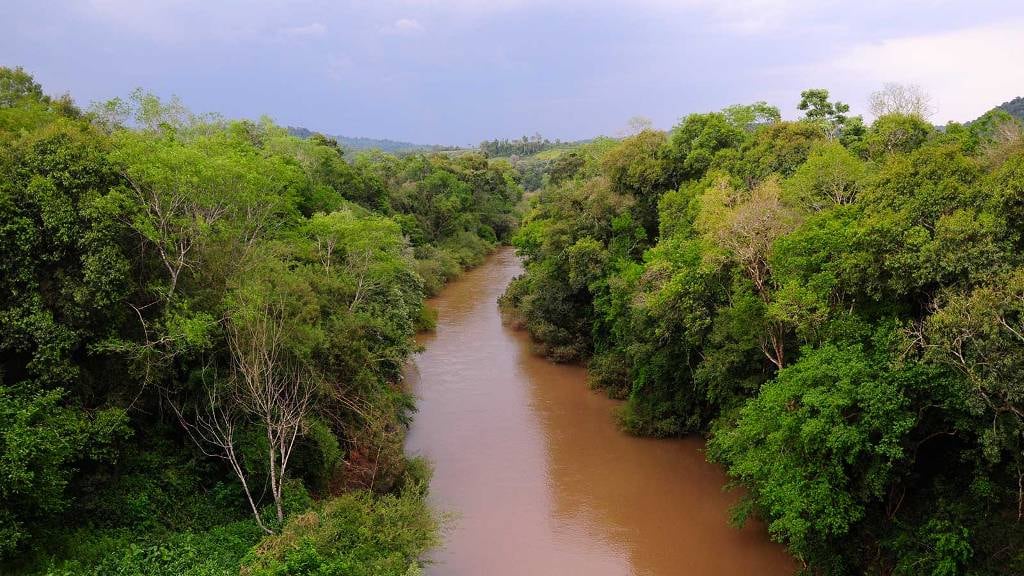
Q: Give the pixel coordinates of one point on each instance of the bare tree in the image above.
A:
(265, 389)
(277, 395)
(213, 431)
(638, 124)
(908, 99)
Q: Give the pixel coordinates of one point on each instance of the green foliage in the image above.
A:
(831, 175)
(524, 146)
(699, 138)
(636, 169)
(157, 270)
(17, 88)
(818, 443)
(837, 306)
(41, 442)
(215, 552)
(356, 534)
(1014, 107)
(774, 149)
(896, 133)
(818, 109)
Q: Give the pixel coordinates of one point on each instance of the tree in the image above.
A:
(817, 108)
(750, 116)
(831, 176)
(981, 334)
(565, 167)
(745, 228)
(893, 133)
(637, 167)
(638, 124)
(903, 99)
(819, 444)
(42, 441)
(1001, 136)
(275, 394)
(270, 330)
(696, 142)
(775, 149)
(17, 87)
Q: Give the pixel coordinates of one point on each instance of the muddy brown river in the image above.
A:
(536, 475)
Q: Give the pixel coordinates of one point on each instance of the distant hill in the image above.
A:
(527, 146)
(383, 144)
(1014, 107)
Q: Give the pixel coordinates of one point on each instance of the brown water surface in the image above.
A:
(539, 479)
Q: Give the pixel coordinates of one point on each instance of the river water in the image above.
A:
(535, 473)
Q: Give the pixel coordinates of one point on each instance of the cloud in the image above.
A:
(314, 30)
(738, 16)
(967, 71)
(184, 21)
(754, 16)
(403, 26)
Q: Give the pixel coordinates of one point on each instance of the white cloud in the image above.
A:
(739, 16)
(314, 30)
(408, 25)
(966, 71)
(405, 26)
(754, 16)
(185, 21)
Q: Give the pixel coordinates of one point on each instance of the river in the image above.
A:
(534, 471)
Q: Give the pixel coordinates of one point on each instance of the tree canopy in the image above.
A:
(834, 305)
(204, 324)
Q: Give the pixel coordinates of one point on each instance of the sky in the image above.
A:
(458, 72)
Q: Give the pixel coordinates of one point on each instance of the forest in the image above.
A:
(525, 146)
(838, 307)
(204, 324)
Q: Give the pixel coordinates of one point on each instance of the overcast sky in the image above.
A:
(460, 71)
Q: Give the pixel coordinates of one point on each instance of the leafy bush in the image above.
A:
(353, 535)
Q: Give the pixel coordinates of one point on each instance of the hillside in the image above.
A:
(1014, 107)
(363, 143)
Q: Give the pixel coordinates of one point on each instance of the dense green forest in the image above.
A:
(203, 325)
(524, 146)
(838, 306)
(204, 322)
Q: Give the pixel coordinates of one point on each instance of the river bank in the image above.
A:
(538, 477)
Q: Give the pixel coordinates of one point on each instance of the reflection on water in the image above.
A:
(535, 471)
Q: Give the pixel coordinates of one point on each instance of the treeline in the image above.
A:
(359, 143)
(203, 325)
(524, 146)
(1014, 108)
(838, 307)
